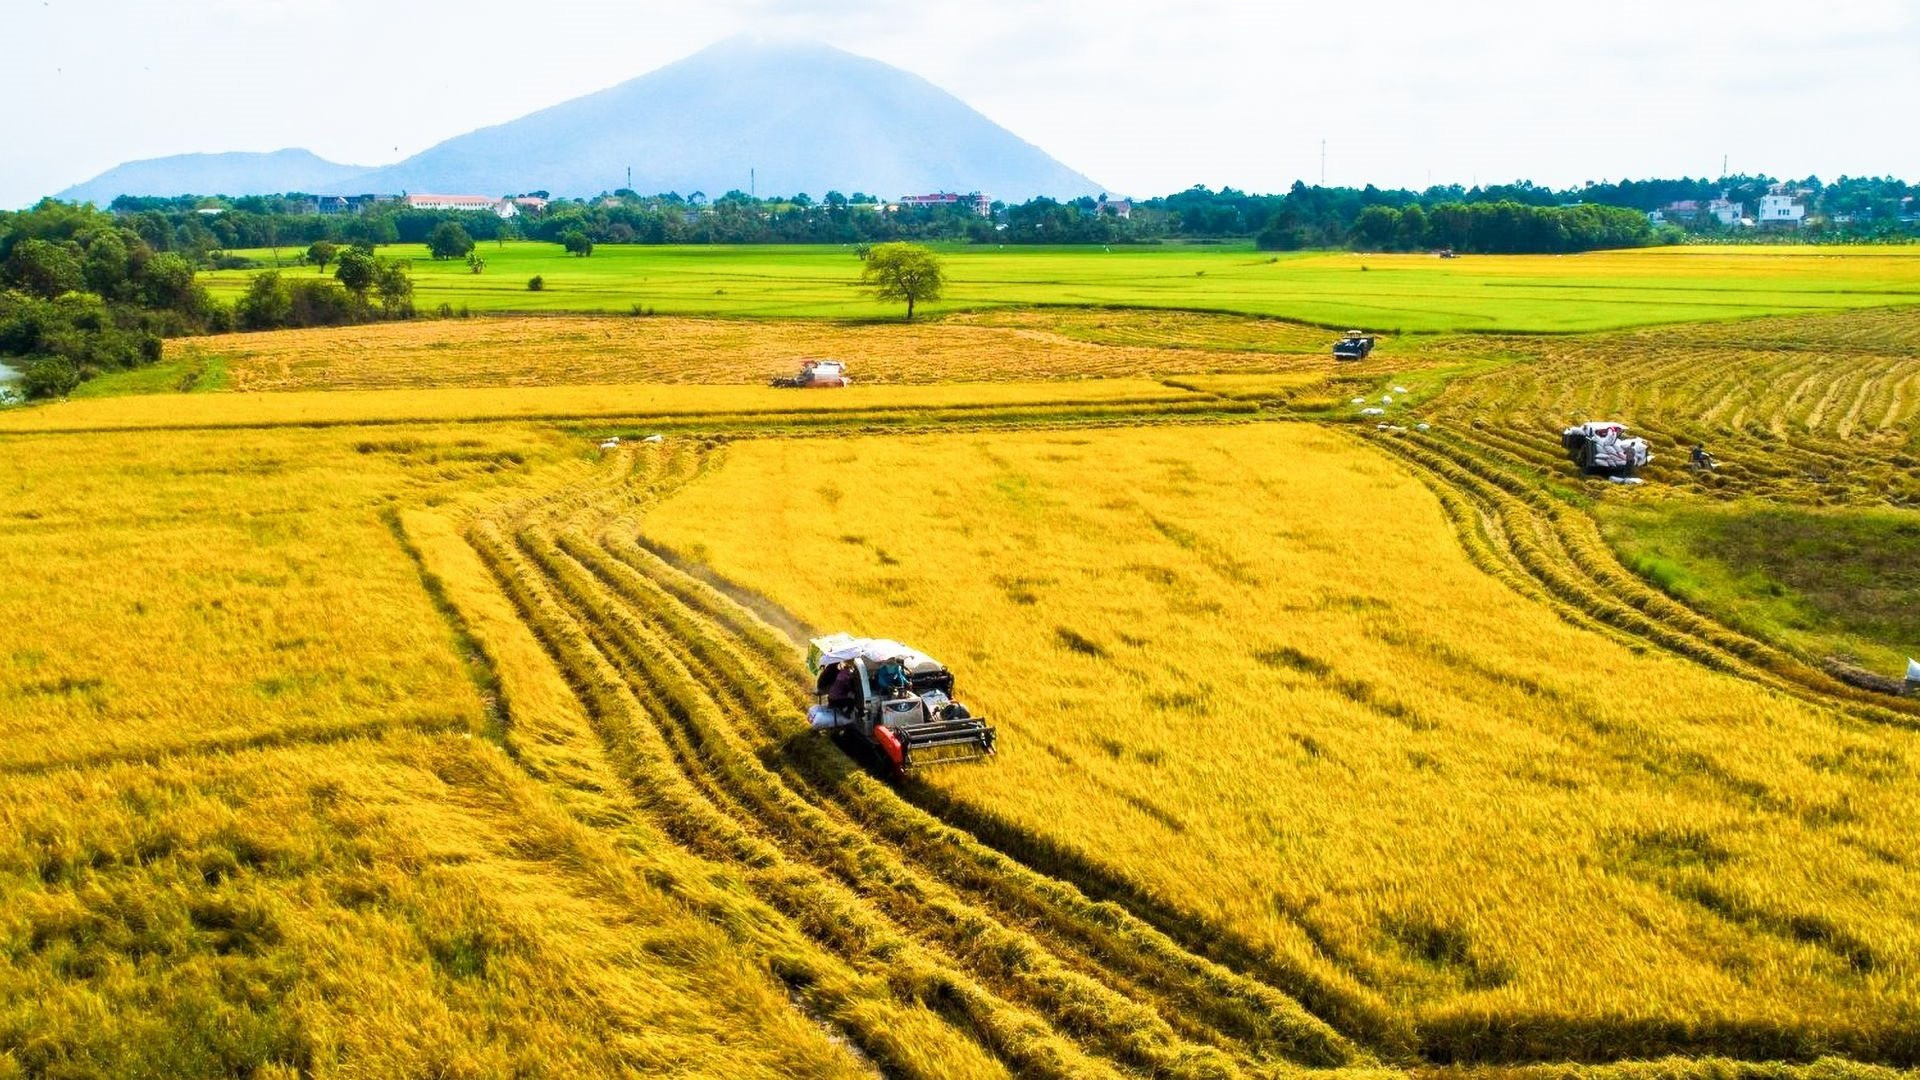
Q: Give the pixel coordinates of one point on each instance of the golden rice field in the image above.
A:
(1820, 407)
(386, 724)
(578, 350)
(1403, 787)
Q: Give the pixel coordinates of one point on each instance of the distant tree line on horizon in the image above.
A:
(1506, 218)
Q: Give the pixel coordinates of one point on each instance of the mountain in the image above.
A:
(799, 116)
(802, 116)
(215, 174)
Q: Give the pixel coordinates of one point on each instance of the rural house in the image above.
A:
(1781, 208)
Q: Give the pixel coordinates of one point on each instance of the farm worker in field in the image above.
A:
(891, 677)
(824, 684)
(844, 692)
(1701, 459)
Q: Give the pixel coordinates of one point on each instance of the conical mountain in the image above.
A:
(796, 116)
(778, 117)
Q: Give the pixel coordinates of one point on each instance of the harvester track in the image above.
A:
(696, 704)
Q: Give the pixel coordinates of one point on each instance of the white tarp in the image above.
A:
(835, 648)
(1913, 669)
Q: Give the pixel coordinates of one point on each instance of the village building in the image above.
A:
(502, 207)
(976, 202)
(1725, 211)
(1781, 208)
(1120, 208)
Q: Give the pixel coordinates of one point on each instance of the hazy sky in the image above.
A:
(1146, 98)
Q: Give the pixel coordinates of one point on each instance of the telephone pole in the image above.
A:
(753, 184)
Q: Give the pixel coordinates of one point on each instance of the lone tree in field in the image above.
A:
(576, 243)
(449, 241)
(321, 253)
(908, 272)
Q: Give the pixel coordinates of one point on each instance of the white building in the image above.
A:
(503, 207)
(1781, 207)
(1725, 211)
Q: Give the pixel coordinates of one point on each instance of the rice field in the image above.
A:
(364, 715)
(583, 351)
(1398, 293)
(1398, 784)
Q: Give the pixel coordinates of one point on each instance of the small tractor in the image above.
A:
(914, 723)
(814, 375)
(1354, 346)
(1603, 448)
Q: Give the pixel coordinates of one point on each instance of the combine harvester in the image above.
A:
(1354, 346)
(815, 375)
(911, 724)
(1603, 448)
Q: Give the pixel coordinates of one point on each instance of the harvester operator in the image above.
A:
(890, 678)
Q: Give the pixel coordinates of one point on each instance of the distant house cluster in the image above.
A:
(503, 207)
(1783, 207)
(510, 206)
(978, 203)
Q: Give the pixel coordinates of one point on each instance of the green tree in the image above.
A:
(322, 252)
(395, 289)
(44, 268)
(267, 305)
(449, 241)
(357, 271)
(576, 243)
(902, 272)
(475, 263)
(1376, 227)
(1413, 227)
(168, 283)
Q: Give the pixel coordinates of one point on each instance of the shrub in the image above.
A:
(49, 377)
(536, 283)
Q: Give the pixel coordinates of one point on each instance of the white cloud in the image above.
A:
(1147, 97)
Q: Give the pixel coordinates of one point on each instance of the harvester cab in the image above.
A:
(913, 723)
(1603, 448)
(816, 374)
(1354, 346)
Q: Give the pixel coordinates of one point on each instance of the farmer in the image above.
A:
(844, 692)
(891, 678)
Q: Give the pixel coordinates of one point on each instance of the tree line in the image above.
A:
(1525, 217)
(84, 293)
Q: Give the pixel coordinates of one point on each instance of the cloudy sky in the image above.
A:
(1144, 97)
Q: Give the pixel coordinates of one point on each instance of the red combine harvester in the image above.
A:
(896, 700)
(814, 375)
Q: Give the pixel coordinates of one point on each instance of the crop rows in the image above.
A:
(1817, 409)
(701, 710)
(1553, 552)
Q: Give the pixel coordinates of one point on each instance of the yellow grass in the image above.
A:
(1237, 667)
(556, 350)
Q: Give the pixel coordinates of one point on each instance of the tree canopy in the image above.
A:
(896, 273)
(449, 241)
